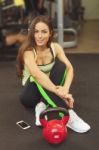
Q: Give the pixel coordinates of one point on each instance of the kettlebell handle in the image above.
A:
(56, 109)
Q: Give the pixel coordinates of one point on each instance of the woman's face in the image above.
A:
(41, 34)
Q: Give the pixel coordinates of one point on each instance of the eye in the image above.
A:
(44, 31)
(35, 31)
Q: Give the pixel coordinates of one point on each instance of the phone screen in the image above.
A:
(23, 124)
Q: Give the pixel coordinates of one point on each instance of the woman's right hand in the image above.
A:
(67, 97)
(61, 92)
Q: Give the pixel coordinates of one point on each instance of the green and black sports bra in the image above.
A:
(44, 68)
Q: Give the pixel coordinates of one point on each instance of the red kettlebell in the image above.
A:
(55, 130)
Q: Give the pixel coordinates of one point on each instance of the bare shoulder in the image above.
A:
(28, 57)
(56, 45)
(58, 48)
(28, 53)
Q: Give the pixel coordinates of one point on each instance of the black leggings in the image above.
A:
(33, 92)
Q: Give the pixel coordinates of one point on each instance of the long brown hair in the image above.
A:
(29, 44)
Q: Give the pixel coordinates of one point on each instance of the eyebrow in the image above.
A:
(42, 29)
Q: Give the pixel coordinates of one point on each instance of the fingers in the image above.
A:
(71, 104)
(67, 97)
(70, 101)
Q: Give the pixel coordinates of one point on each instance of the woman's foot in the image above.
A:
(76, 123)
(40, 107)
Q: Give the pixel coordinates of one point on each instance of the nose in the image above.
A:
(39, 34)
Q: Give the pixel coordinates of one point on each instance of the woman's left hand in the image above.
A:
(67, 97)
(69, 101)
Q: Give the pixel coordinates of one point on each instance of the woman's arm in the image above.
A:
(62, 57)
(38, 75)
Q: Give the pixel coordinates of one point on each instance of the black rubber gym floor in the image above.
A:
(85, 89)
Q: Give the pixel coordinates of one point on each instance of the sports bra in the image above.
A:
(46, 68)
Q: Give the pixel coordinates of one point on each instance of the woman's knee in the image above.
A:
(24, 100)
(28, 101)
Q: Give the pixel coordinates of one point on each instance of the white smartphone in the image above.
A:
(23, 125)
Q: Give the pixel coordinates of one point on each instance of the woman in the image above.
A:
(46, 81)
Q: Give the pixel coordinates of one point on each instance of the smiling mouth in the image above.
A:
(40, 41)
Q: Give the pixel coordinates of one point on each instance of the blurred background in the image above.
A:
(80, 20)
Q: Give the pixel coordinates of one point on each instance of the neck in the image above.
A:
(41, 48)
